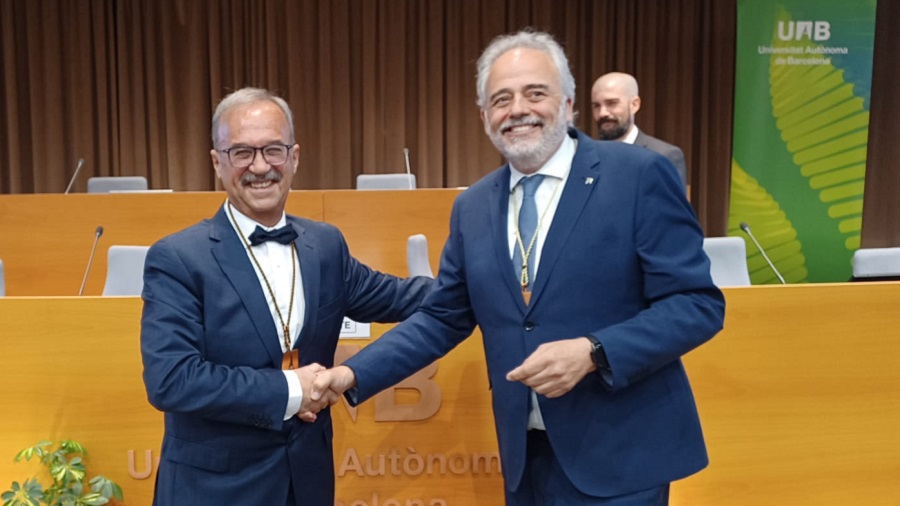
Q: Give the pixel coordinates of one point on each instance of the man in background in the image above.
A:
(614, 103)
(582, 263)
(240, 313)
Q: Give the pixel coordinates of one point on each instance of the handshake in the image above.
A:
(552, 370)
(322, 388)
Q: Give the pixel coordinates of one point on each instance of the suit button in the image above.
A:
(529, 325)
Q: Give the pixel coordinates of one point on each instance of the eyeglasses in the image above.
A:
(243, 156)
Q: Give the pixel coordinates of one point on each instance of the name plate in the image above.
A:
(355, 330)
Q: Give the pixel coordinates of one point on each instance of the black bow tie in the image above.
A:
(283, 235)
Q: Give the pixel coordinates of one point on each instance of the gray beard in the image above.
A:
(531, 156)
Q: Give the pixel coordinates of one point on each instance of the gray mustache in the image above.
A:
(272, 175)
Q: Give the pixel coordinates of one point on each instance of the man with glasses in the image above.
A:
(240, 313)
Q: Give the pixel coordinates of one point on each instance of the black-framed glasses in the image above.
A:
(243, 156)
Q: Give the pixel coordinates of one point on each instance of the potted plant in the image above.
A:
(67, 469)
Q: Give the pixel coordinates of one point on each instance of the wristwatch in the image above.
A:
(598, 355)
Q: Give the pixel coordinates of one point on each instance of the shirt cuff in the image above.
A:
(295, 394)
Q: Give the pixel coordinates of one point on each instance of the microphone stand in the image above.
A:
(746, 228)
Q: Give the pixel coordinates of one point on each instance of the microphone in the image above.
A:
(71, 181)
(97, 234)
(746, 228)
(408, 172)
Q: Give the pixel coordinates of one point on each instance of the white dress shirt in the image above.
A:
(546, 199)
(275, 260)
(632, 135)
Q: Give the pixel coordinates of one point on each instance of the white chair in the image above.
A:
(125, 270)
(417, 262)
(876, 264)
(2, 281)
(727, 260)
(116, 184)
(386, 182)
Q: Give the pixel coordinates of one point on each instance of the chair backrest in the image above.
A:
(2, 281)
(116, 183)
(876, 264)
(386, 182)
(417, 262)
(125, 270)
(728, 260)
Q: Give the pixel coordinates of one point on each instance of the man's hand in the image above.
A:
(309, 406)
(555, 368)
(331, 384)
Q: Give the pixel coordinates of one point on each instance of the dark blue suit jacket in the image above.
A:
(623, 261)
(212, 362)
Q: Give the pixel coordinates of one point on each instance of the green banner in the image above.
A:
(803, 77)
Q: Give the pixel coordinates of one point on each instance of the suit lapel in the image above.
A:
(641, 139)
(310, 274)
(499, 206)
(230, 253)
(583, 178)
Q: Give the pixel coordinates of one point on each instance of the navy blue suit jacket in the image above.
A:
(212, 362)
(623, 261)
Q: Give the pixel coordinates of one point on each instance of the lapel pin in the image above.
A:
(588, 180)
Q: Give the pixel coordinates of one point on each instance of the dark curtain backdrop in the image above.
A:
(130, 86)
(881, 205)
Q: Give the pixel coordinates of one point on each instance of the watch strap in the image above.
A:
(598, 354)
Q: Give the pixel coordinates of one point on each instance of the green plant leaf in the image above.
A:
(93, 499)
(33, 488)
(29, 494)
(68, 475)
(38, 449)
(106, 487)
(68, 472)
(69, 446)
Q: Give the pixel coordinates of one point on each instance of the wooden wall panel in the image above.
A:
(799, 398)
(45, 239)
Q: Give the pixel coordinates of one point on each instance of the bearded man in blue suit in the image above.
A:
(585, 306)
(240, 313)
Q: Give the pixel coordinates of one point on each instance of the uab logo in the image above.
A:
(796, 30)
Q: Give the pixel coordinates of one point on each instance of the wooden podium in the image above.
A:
(799, 395)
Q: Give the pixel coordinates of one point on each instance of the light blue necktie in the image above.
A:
(528, 218)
